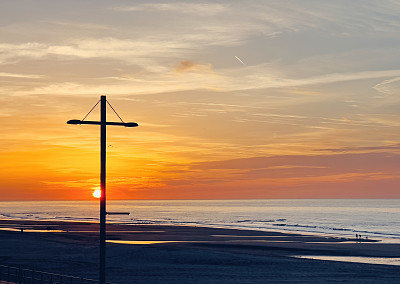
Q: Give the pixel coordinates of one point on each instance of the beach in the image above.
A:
(138, 253)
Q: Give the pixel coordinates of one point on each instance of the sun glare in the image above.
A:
(97, 193)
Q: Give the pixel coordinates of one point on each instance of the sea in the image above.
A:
(372, 218)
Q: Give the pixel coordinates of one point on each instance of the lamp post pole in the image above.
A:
(103, 141)
(103, 212)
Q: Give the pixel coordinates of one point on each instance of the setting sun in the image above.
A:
(97, 193)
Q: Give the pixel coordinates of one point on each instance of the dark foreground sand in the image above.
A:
(196, 255)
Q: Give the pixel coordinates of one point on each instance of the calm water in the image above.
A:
(375, 218)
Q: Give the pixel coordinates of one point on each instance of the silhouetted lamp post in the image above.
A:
(103, 123)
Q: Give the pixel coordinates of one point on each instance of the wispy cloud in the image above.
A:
(127, 50)
(199, 9)
(362, 149)
(263, 76)
(388, 87)
(17, 75)
(279, 166)
(194, 76)
(189, 65)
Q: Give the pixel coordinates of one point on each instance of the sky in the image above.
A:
(234, 99)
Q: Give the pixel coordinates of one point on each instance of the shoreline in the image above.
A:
(60, 246)
(346, 217)
(382, 239)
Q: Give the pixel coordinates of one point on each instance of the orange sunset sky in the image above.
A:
(235, 99)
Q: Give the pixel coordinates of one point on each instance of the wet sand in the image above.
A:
(187, 254)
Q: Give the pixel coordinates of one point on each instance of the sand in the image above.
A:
(188, 254)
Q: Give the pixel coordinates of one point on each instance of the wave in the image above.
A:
(260, 221)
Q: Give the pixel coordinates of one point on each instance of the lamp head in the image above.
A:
(74, 121)
(131, 124)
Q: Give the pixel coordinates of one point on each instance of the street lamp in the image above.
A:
(103, 123)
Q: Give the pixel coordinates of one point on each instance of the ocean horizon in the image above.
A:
(370, 218)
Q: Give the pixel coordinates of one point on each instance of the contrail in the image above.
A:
(240, 60)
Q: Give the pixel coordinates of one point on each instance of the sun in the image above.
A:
(97, 193)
